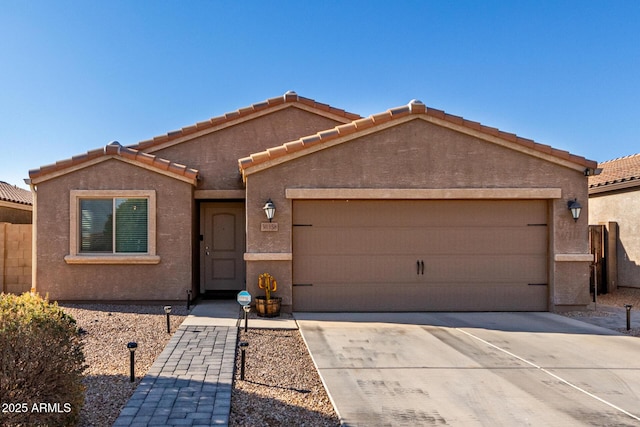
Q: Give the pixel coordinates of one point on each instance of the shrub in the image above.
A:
(41, 363)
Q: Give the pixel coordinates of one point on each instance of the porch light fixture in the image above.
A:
(269, 209)
(575, 209)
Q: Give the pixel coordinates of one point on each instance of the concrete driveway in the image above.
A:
(474, 369)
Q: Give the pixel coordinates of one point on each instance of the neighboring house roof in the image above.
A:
(616, 174)
(255, 110)
(415, 109)
(114, 150)
(13, 194)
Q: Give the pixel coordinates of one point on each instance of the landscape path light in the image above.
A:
(243, 346)
(132, 346)
(628, 307)
(167, 310)
(188, 299)
(246, 309)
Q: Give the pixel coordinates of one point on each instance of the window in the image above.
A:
(112, 227)
(117, 225)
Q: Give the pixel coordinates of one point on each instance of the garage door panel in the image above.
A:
(414, 297)
(419, 213)
(412, 240)
(386, 269)
(355, 269)
(496, 269)
(478, 255)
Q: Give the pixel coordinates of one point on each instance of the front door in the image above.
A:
(222, 247)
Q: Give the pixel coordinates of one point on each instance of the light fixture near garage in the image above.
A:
(269, 209)
(575, 209)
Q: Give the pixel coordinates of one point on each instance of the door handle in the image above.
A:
(422, 267)
(418, 266)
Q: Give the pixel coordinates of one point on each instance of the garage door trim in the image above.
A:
(423, 193)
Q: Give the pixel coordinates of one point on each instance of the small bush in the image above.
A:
(41, 363)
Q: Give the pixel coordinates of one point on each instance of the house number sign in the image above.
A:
(269, 226)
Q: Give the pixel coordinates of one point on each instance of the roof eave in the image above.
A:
(252, 112)
(116, 152)
(393, 117)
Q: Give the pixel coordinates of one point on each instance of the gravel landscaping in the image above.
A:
(616, 299)
(106, 330)
(281, 383)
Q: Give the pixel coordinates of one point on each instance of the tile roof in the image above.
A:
(414, 107)
(289, 97)
(11, 193)
(114, 149)
(624, 171)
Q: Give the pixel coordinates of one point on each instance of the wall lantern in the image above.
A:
(575, 209)
(269, 209)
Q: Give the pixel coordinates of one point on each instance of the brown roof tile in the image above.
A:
(617, 171)
(11, 193)
(416, 108)
(289, 97)
(115, 149)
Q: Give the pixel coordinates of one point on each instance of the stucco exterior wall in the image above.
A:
(216, 155)
(422, 155)
(623, 208)
(167, 280)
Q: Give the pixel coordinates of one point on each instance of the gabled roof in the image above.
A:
(289, 99)
(616, 174)
(114, 150)
(414, 110)
(13, 194)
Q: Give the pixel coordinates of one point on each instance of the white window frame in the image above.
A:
(77, 257)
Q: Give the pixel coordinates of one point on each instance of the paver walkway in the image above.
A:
(190, 382)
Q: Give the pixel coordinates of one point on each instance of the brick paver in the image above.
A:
(190, 382)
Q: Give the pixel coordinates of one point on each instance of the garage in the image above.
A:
(416, 210)
(420, 255)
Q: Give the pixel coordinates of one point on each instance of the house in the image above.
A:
(614, 200)
(409, 209)
(15, 204)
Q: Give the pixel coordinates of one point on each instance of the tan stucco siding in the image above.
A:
(167, 280)
(418, 154)
(216, 155)
(622, 208)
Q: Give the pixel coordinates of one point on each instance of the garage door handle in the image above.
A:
(422, 267)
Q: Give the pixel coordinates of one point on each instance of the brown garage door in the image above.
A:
(420, 255)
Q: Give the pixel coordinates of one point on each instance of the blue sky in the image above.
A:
(75, 75)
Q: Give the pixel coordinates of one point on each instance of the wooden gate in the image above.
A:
(603, 242)
(598, 274)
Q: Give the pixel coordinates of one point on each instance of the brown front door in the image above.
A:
(222, 247)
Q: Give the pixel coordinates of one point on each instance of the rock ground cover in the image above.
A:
(106, 330)
(281, 383)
